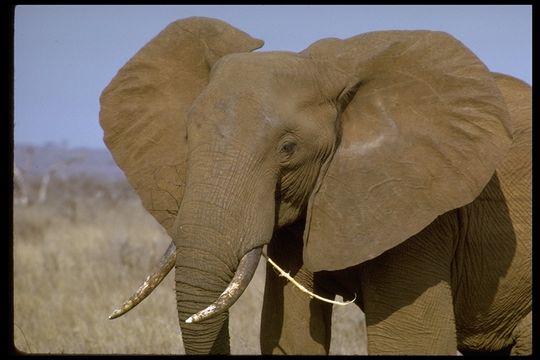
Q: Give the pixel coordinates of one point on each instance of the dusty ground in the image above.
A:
(73, 265)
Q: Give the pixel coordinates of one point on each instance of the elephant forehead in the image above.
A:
(271, 87)
(265, 60)
(263, 71)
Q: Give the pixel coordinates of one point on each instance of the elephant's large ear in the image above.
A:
(143, 109)
(423, 126)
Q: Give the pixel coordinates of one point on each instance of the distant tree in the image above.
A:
(53, 169)
(20, 194)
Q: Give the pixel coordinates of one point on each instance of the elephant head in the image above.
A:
(367, 140)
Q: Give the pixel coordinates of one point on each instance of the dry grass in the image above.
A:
(70, 272)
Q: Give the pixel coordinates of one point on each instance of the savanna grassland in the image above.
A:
(75, 260)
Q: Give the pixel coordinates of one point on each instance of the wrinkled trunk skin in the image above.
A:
(195, 291)
(205, 265)
(221, 218)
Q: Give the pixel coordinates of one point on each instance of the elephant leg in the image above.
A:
(291, 322)
(407, 298)
(523, 337)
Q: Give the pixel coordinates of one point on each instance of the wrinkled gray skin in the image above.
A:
(368, 167)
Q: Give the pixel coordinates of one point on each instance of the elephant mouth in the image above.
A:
(243, 275)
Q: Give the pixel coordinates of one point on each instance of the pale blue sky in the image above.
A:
(66, 55)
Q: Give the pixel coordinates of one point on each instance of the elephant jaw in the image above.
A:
(243, 275)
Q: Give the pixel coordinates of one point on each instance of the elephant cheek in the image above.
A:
(287, 214)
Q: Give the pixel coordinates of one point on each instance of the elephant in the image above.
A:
(392, 168)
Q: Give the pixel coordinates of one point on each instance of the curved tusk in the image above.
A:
(242, 277)
(166, 263)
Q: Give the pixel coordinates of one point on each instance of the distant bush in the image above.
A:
(80, 185)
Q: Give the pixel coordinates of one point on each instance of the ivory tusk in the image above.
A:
(166, 263)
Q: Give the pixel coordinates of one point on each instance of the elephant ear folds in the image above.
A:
(422, 135)
(143, 109)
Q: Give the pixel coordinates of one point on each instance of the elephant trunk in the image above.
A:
(200, 278)
(223, 221)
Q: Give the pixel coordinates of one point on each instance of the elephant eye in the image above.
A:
(287, 148)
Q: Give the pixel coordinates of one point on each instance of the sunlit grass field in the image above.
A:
(73, 266)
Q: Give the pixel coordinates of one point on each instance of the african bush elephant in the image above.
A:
(392, 165)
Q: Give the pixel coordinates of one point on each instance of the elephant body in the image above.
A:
(419, 294)
(392, 168)
(463, 282)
